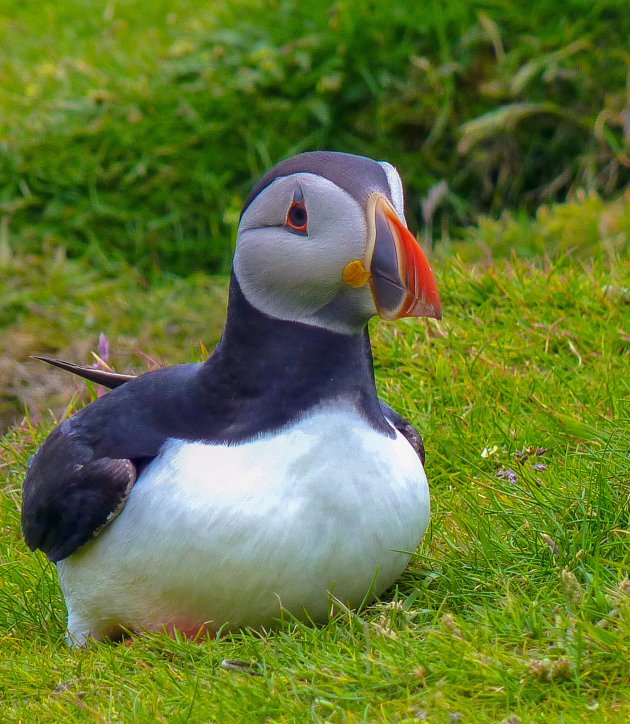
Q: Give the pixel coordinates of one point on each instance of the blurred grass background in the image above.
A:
(133, 130)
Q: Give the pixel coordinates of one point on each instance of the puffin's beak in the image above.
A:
(401, 279)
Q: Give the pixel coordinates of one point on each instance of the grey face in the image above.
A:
(308, 243)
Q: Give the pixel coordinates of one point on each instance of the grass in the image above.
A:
(134, 130)
(516, 605)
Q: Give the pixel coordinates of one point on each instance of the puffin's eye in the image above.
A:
(297, 218)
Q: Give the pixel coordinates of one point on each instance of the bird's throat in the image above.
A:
(273, 371)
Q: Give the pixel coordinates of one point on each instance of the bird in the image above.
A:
(270, 479)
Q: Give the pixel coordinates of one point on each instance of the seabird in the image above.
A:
(271, 477)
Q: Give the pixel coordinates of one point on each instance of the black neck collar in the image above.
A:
(267, 372)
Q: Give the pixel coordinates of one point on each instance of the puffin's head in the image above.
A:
(323, 241)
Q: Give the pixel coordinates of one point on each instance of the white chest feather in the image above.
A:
(231, 534)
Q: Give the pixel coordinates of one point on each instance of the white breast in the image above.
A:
(232, 534)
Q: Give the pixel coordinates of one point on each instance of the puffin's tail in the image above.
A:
(101, 377)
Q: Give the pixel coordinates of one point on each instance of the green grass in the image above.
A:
(135, 129)
(517, 602)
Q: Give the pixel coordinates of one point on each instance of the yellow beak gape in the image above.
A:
(355, 274)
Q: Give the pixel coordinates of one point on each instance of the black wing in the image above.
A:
(404, 428)
(82, 475)
(70, 494)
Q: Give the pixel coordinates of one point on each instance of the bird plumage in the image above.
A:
(152, 499)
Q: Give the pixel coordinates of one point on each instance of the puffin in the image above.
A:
(269, 479)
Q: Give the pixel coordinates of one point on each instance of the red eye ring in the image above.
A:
(297, 216)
